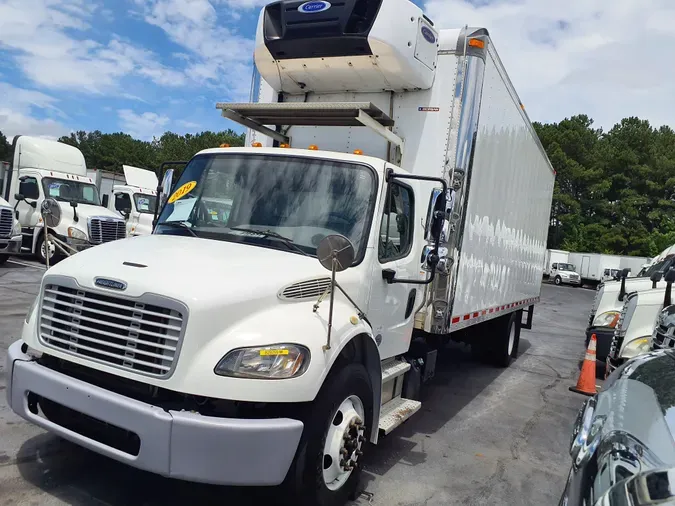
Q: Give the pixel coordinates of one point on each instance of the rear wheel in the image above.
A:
(3, 259)
(499, 340)
(327, 465)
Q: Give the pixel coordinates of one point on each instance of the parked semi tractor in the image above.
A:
(10, 231)
(44, 169)
(610, 297)
(135, 200)
(223, 351)
(637, 320)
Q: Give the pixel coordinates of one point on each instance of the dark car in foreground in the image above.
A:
(626, 432)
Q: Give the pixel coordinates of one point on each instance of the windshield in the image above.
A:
(145, 203)
(661, 266)
(566, 267)
(68, 190)
(301, 199)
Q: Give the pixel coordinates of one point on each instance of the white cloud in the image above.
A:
(215, 54)
(16, 113)
(605, 59)
(39, 33)
(189, 125)
(142, 126)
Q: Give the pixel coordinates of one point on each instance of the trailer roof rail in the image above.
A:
(256, 115)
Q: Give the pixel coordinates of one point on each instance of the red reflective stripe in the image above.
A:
(455, 319)
(467, 316)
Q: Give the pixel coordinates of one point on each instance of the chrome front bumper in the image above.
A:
(10, 246)
(176, 444)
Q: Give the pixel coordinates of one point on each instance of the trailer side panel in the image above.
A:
(510, 189)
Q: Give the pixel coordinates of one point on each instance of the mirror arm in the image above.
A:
(389, 275)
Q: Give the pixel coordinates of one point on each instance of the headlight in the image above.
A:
(606, 319)
(32, 308)
(16, 230)
(564, 275)
(279, 361)
(585, 436)
(637, 347)
(76, 233)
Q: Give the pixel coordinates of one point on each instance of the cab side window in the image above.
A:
(554, 266)
(396, 229)
(122, 202)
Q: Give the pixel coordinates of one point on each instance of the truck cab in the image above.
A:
(565, 274)
(136, 200)
(44, 169)
(10, 231)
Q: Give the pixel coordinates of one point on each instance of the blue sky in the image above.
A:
(146, 66)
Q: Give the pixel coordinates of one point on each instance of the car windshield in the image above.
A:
(566, 267)
(145, 203)
(291, 202)
(68, 190)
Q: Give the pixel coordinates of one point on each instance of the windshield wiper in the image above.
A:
(269, 233)
(179, 224)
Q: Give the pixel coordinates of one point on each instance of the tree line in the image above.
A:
(614, 191)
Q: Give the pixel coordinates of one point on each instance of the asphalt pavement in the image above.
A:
(483, 436)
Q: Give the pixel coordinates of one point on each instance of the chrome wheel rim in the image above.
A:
(344, 440)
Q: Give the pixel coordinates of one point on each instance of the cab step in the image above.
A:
(392, 369)
(397, 411)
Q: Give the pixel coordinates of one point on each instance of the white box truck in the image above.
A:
(10, 229)
(554, 256)
(221, 350)
(597, 267)
(44, 169)
(133, 196)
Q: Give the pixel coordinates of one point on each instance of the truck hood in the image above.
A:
(201, 273)
(607, 296)
(4, 203)
(84, 211)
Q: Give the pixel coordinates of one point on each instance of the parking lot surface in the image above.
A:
(483, 435)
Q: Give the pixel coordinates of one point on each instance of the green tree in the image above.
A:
(5, 148)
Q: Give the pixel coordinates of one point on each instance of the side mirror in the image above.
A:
(669, 278)
(105, 200)
(19, 197)
(622, 291)
(167, 182)
(438, 217)
(655, 278)
(73, 204)
(670, 275)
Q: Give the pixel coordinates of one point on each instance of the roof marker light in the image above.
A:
(313, 147)
(257, 144)
(224, 145)
(284, 145)
(358, 152)
(480, 44)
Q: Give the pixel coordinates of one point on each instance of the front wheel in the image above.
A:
(558, 280)
(3, 258)
(41, 248)
(327, 465)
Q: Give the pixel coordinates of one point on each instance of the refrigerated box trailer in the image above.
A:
(391, 152)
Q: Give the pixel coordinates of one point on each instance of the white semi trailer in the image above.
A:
(218, 349)
(43, 169)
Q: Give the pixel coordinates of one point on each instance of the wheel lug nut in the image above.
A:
(359, 453)
(344, 451)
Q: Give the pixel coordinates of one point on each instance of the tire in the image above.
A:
(40, 254)
(313, 463)
(506, 340)
(558, 280)
(3, 258)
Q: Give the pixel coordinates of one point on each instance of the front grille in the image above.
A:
(663, 338)
(106, 229)
(125, 333)
(310, 289)
(6, 222)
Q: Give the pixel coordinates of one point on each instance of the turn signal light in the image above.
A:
(480, 44)
(358, 152)
(257, 144)
(313, 147)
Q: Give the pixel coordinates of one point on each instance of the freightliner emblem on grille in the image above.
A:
(110, 283)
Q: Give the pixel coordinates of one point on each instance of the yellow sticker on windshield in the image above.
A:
(272, 353)
(182, 191)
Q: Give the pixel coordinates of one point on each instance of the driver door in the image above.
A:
(391, 306)
(30, 189)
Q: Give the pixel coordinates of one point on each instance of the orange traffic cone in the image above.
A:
(586, 382)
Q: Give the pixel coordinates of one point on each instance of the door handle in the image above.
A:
(411, 303)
